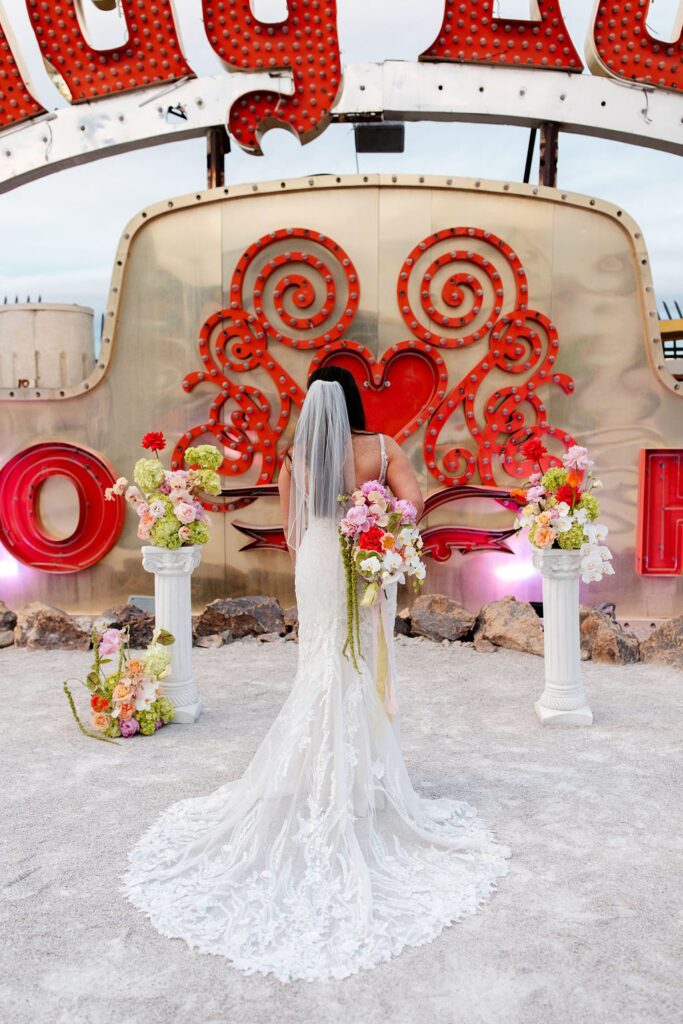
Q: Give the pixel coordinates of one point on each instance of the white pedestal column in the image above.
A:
(563, 701)
(173, 610)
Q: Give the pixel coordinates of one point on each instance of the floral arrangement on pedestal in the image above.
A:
(380, 542)
(126, 701)
(560, 510)
(166, 501)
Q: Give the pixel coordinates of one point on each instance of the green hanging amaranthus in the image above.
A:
(352, 649)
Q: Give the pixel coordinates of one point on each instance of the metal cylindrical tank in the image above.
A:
(47, 345)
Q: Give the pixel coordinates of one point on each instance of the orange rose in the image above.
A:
(544, 536)
(135, 668)
(100, 721)
(122, 690)
(126, 710)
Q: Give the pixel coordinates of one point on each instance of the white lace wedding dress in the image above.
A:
(321, 860)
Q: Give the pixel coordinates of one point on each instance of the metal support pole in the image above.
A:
(547, 171)
(217, 148)
(530, 155)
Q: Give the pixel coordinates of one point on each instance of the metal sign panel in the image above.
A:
(470, 311)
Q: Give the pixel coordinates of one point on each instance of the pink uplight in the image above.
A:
(9, 567)
(514, 570)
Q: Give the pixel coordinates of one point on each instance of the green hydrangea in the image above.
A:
(554, 477)
(591, 505)
(148, 474)
(165, 709)
(573, 538)
(165, 533)
(113, 730)
(208, 481)
(206, 456)
(199, 532)
(147, 720)
(163, 498)
(156, 660)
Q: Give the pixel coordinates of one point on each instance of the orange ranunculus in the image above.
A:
(574, 478)
(518, 494)
(126, 711)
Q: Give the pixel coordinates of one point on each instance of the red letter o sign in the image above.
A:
(99, 522)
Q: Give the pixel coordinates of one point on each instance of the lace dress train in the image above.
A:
(321, 859)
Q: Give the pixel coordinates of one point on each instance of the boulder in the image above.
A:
(243, 616)
(665, 645)
(8, 618)
(604, 639)
(140, 623)
(41, 626)
(6, 637)
(511, 624)
(439, 618)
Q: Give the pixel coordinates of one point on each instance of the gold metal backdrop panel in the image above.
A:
(425, 253)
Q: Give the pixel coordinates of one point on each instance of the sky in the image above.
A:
(59, 235)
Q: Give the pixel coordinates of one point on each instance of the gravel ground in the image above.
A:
(585, 928)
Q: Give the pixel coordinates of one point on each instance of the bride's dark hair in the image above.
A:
(354, 403)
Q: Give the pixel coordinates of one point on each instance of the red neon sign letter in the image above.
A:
(16, 102)
(660, 513)
(623, 46)
(470, 34)
(151, 54)
(99, 522)
(305, 43)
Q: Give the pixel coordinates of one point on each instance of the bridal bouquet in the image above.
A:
(560, 510)
(126, 701)
(380, 543)
(166, 501)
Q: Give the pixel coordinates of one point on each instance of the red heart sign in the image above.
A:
(398, 389)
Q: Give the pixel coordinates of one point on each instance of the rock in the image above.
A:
(439, 618)
(665, 645)
(604, 639)
(42, 626)
(243, 616)
(484, 646)
(291, 619)
(8, 618)
(269, 638)
(401, 626)
(140, 623)
(511, 624)
(6, 637)
(215, 640)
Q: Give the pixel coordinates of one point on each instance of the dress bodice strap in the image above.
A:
(383, 460)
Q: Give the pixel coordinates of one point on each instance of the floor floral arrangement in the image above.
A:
(125, 701)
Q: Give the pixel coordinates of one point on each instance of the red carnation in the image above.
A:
(371, 540)
(533, 449)
(567, 494)
(155, 441)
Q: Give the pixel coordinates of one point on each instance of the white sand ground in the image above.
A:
(585, 928)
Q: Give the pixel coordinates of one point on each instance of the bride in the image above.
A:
(321, 859)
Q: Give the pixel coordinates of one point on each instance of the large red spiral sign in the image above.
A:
(407, 388)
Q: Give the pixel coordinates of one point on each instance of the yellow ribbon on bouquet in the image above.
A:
(385, 671)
